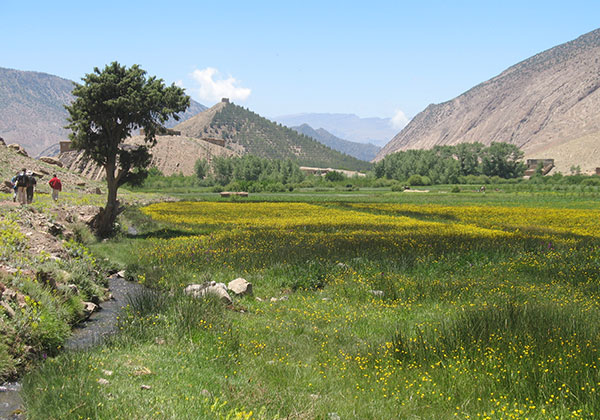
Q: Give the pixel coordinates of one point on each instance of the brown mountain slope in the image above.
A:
(178, 154)
(171, 155)
(548, 105)
(32, 111)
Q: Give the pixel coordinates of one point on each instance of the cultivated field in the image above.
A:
(361, 310)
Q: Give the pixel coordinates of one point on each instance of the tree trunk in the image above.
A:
(105, 220)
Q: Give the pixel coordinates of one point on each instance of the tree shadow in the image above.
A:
(167, 233)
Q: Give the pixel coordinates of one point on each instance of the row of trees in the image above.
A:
(249, 169)
(447, 164)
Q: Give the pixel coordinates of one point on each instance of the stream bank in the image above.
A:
(88, 334)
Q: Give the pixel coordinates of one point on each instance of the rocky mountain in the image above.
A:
(360, 151)
(548, 105)
(32, 110)
(246, 132)
(351, 127)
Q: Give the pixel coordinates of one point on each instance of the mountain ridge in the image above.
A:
(351, 127)
(362, 151)
(244, 131)
(539, 104)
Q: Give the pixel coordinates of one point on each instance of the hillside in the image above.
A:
(350, 127)
(548, 105)
(246, 132)
(360, 151)
(32, 110)
(12, 162)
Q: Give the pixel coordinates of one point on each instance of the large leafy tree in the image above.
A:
(109, 105)
(503, 160)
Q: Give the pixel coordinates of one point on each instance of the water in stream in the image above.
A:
(90, 333)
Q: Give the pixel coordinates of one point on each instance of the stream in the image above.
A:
(90, 333)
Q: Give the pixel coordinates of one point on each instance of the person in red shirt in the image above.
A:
(56, 186)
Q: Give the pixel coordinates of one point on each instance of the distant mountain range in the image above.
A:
(548, 105)
(32, 110)
(377, 131)
(360, 151)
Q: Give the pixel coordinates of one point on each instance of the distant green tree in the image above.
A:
(201, 168)
(334, 176)
(503, 160)
(108, 106)
(222, 170)
(468, 155)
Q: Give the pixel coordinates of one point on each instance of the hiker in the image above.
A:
(31, 181)
(21, 183)
(14, 186)
(56, 186)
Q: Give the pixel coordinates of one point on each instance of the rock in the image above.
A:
(18, 148)
(89, 308)
(9, 311)
(51, 161)
(9, 294)
(2, 143)
(145, 387)
(142, 372)
(6, 187)
(107, 372)
(120, 274)
(103, 381)
(55, 229)
(240, 286)
(213, 288)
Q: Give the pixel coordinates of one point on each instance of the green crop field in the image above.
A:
(366, 305)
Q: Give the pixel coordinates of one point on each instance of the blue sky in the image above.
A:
(375, 58)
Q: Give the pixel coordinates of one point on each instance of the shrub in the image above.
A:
(415, 180)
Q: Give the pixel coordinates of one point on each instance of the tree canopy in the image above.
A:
(448, 164)
(109, 105)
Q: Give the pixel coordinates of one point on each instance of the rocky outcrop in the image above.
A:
(17, 148)
(548, 105)
(51, 161)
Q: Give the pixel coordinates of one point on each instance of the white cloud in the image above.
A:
(212, 88)
(399, 120)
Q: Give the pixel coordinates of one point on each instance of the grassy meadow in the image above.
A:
(387, 306)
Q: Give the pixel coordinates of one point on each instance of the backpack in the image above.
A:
(21, 180)
(31, 181)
